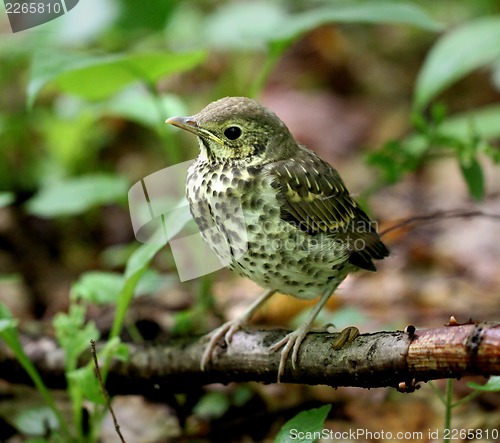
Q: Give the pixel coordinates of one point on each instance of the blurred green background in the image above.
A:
(403, 98)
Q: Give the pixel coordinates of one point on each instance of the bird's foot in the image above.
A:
(227, 330)
(291, 342)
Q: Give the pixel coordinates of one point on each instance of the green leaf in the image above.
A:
(98, 77)
(212, 405)
(114, 348)
(9, 334)
(82, 385)
(482, 122)
(148, 20)
(456, 54)
(492, 385)
(139, 261)
(7, 324)
(36, 421)
(74, 196)
(140, 106)
(242, 395)
(140, 258)
(243, 25)
(6, 198)
(85, 385)
(121, 351)
(358, 12)
(73, 334)
(71, 137)
(98, 287)
(305, 424)
(153, 281)
(473, 175)
(252, 25)
(398, 157)
(136, 267)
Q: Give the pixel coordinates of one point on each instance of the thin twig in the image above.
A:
(103, 390)
(437, 216)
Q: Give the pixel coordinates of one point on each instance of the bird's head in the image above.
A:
(239, 128)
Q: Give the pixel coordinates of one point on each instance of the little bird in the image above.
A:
(275, 212)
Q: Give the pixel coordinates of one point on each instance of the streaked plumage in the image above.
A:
(304, 233)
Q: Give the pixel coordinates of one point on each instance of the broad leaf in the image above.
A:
(243, 25)
(253, 25)
(481, 121)
(97, 287)
(36, 420)
(212, 405)
(302, 427)
(457, 53)
(99, 77)
(358, 12)
(76, 195)
(140, 106)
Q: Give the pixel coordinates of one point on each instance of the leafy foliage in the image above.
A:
(99, 77)
(308, 423)
(78, 195)
(492, 385)
(9, 334)
(58, 162)
(474, 45)
(456, 54)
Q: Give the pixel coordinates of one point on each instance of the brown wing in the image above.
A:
(314, 199)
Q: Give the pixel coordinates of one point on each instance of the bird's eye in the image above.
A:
(232, 133)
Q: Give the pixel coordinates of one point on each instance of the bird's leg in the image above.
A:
(293, 340)
(228, 329)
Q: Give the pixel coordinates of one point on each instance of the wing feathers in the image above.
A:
(314, 198)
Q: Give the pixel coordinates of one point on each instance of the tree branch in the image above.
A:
(398, 359)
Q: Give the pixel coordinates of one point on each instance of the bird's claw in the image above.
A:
(227, 330)
(291, 342)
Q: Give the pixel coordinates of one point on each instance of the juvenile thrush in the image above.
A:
(273, 211)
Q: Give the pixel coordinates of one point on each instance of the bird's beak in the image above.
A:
(189, 124)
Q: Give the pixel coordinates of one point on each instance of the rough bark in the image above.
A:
(398, 359)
